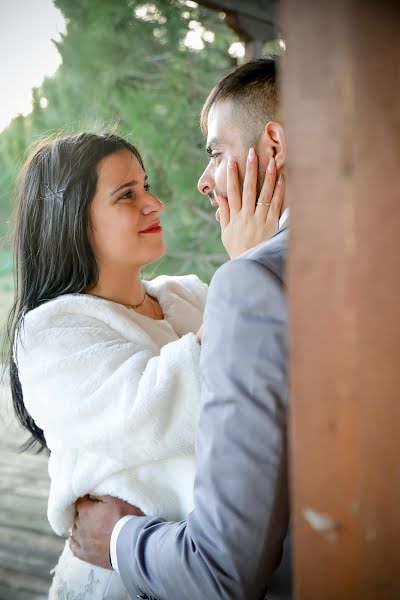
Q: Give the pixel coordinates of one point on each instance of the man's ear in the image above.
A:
(275, 138)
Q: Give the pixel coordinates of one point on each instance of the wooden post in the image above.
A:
(341, 89)
(253, 49)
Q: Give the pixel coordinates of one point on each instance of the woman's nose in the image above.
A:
(152, 204)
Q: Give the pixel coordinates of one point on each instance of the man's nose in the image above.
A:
(205, 185)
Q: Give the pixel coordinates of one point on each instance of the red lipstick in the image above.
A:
(154, 228)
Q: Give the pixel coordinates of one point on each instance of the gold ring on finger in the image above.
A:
(264, 203)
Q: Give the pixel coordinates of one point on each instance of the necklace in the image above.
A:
(135, 306)
(153, 305)
(156, 313)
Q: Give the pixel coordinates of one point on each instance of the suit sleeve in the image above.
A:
(230, 544)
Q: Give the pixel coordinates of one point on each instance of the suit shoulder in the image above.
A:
(244, 269)
(272, 253)
(246, 282)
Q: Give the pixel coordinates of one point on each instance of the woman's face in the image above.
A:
(125, 216)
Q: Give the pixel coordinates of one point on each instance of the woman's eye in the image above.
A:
(127, 195)
(147, 187)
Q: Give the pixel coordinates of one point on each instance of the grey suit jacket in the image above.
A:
(231, 543)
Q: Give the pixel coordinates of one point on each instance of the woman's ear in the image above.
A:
(276, 141)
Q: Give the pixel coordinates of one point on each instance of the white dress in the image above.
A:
(117, 396)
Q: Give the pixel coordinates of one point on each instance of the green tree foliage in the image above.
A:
(125, 65)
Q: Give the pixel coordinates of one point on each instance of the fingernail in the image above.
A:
(271, 165)
(252, 155)
(231, 162)
(280, 179)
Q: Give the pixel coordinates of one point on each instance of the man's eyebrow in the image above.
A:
(211, 144)
(128, 184)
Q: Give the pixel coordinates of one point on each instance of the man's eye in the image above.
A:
(215, 156)
(147, 187)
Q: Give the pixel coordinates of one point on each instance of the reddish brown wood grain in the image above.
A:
(341, 88)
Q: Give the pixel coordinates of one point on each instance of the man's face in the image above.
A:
(225, 138)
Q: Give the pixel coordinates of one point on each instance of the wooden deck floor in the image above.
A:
(28, 548)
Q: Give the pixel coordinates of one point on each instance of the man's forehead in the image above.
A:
(220, 124)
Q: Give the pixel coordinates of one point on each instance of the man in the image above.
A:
(230, 545)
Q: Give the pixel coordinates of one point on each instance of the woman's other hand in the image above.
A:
(246, 220)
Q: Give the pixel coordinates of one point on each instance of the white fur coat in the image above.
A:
(117, 396)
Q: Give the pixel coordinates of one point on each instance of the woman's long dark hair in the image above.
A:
(52, 252)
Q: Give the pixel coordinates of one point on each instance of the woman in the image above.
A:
(105, 366)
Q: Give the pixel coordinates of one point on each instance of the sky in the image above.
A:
(27, 52)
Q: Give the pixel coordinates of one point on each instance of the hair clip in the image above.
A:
(54, 195)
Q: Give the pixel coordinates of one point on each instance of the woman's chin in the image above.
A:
(153, 256)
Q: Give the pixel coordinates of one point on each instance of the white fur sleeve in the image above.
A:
(198, 288)
(90, 388)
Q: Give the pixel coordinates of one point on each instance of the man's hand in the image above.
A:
(94, 522)
(246, 220)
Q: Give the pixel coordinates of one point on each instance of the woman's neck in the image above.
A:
(123, 286)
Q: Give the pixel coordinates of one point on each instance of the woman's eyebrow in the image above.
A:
(128, 184)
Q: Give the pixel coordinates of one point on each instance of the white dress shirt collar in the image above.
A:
(284, 218)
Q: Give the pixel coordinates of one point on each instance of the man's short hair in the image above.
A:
(253, 90)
